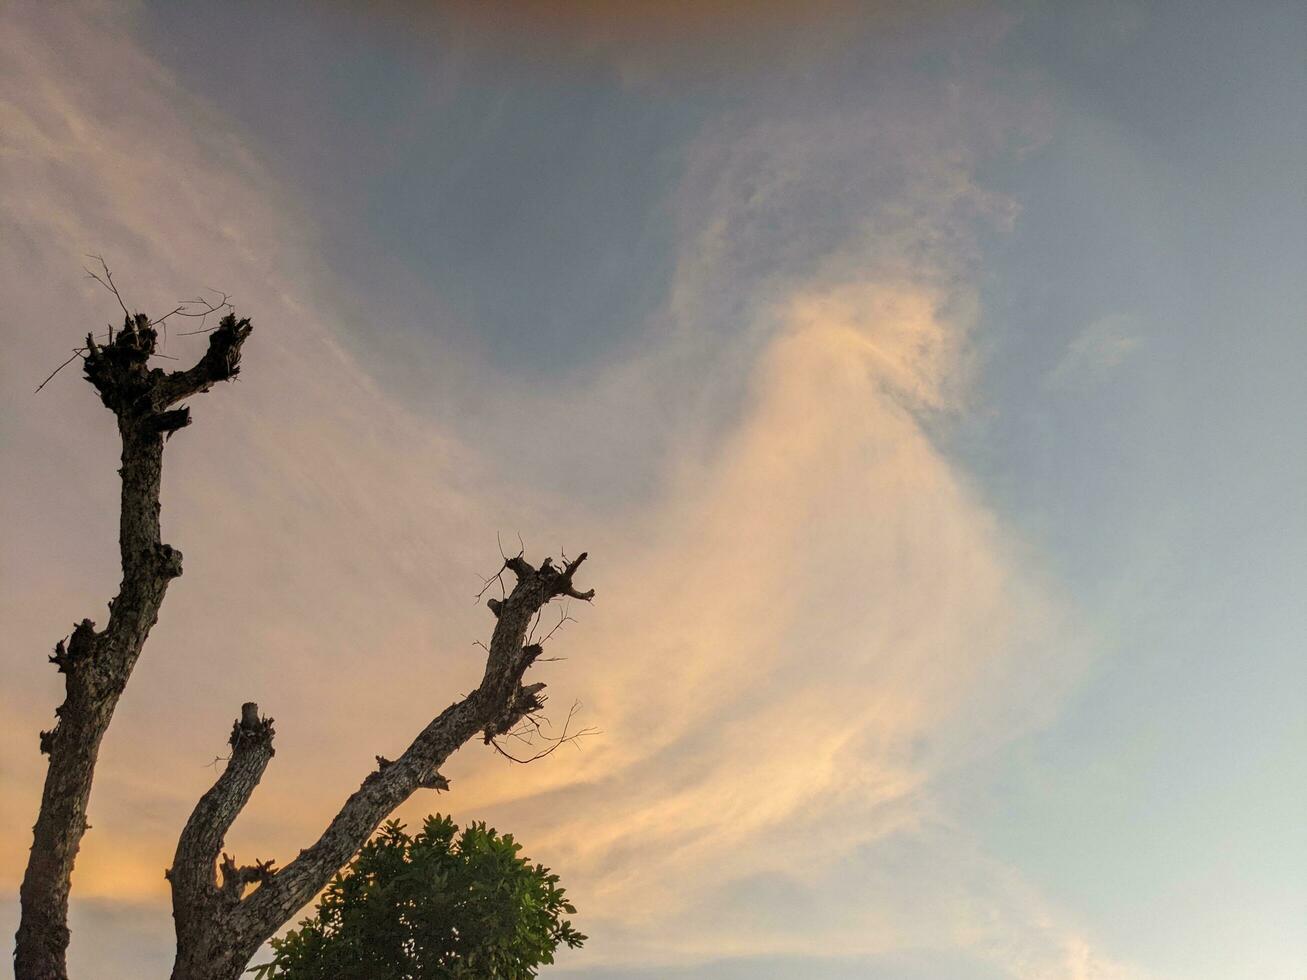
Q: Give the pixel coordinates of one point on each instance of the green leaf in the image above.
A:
(432, 906)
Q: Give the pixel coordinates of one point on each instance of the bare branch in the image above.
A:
(485, 585)
(77, 353)
(106, 280)
(565, 583)
(221, 362)
(199, 307)
(498, 705)
(563, 617)
(555, 741)
(192, 873)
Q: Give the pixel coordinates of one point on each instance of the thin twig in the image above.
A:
(561, 739)
(107, 282)
(499, 574)
(486, 583)
(203, 308)
(76, 354)
(563, 617)
(197, 307)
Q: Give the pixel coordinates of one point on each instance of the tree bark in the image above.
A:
(97, 665)
(219, 929)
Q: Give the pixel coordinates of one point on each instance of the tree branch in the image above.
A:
(194, 888)
(221, 362)
(499, 702)
(533, 729)
(97, 665)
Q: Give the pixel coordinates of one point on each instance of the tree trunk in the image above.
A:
(222, 961)
(97, 665)
(43, 931)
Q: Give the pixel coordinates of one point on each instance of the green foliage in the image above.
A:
(439, 904)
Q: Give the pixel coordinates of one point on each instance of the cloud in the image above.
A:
(1096, 351)
(806, 622)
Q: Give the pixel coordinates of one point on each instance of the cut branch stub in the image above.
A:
(221, 362)
(557, 581)
(77, 650)
(434, 781)
(250, 728)
(235, 878)
(120, 372)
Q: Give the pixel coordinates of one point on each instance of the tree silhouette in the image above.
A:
(224, 911)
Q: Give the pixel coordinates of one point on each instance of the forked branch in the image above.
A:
(217, 946)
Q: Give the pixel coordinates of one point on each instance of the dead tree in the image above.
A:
(97, 664)
(219, 926)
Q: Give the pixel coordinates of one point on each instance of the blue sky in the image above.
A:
(1164, 492)
(928, 388)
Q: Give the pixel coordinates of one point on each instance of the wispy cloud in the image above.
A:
(1095, 351)
(806, 623)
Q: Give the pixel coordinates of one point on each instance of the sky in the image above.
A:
(926, 387)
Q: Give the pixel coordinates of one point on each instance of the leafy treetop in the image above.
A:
(439, 905)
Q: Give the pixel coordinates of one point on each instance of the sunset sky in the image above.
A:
(927, 389)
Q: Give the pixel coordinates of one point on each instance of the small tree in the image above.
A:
(436, 905)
